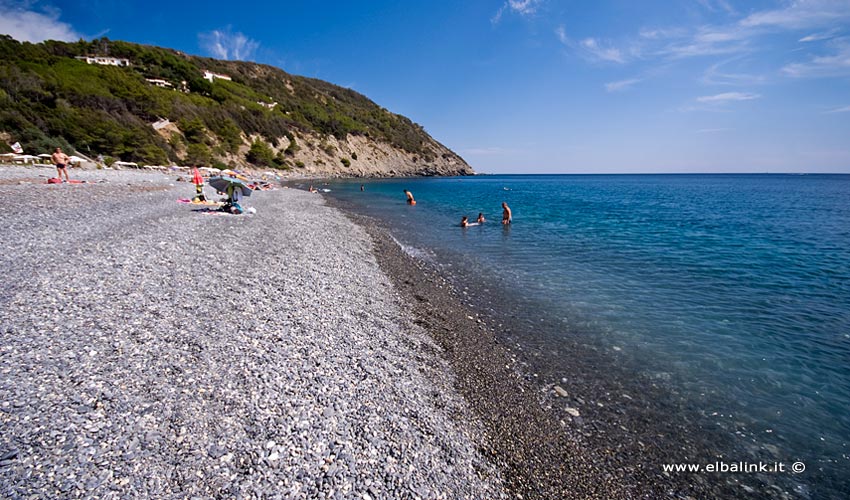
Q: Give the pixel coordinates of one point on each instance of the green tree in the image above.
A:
(199, 85)
(229, 134)
(194, 130)
(260, 154)
(292, 148)
(198, 154)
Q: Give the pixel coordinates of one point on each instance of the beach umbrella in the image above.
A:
(196, 177)
(222, 182)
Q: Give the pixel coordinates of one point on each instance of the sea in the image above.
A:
(730, 291)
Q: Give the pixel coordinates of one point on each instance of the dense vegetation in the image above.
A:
(49, 98)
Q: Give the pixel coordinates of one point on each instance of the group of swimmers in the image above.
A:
(464, 222)
(506, 217)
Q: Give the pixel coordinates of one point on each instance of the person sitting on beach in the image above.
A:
(506, 213)
(200, 197)
(234, 196)
(464, 222)
(480, 218)
(410, 200)
(61, 160)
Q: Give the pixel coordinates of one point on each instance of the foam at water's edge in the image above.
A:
(416, 253)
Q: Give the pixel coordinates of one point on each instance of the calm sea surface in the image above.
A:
(732, 289)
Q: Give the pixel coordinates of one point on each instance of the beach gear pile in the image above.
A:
(235, 185)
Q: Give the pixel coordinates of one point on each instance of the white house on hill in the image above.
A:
(159, 82)
(106, 61)
(209, 75)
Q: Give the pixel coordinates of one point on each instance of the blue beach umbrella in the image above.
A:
(222, 182)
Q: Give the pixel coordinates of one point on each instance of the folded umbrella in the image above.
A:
(197, 178)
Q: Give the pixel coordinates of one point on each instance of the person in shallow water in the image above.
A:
(410, 200)
(506, 213)
(480, 218)
(464, 222)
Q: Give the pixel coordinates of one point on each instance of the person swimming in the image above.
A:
(410, 200)
(464, 222)
(480, 218)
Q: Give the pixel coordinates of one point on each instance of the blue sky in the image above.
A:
(539, 85)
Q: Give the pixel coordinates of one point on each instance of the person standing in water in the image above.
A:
(410, 200)
(506, 213)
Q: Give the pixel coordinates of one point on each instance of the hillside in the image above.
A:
(160, 109)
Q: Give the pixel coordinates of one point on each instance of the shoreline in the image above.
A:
(590, 440)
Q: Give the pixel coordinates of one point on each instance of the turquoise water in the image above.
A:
(732, 289)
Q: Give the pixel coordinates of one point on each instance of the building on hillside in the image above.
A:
(160, 83)
(106, 61)
(209, 75)
(161, 123)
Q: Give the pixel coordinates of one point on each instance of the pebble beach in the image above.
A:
(152, 350)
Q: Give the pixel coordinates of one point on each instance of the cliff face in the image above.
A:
(358, 156)
(160, 106)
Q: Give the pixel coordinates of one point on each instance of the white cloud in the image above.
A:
(520, 7)
(621, 85)
(225, 44)
(845, 109)
(718, 5)
(708, 41)
(816, 37)
(714, 75)
(727, 97)
(524, 7)
(835, 64)
(741, 36)
(801, 14)
(662, 34)
(24, 24)
(592, 47)
(561, 33)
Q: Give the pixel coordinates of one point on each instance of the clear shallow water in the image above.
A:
(733, 289)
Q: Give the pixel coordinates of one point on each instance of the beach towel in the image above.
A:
(204, 203)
